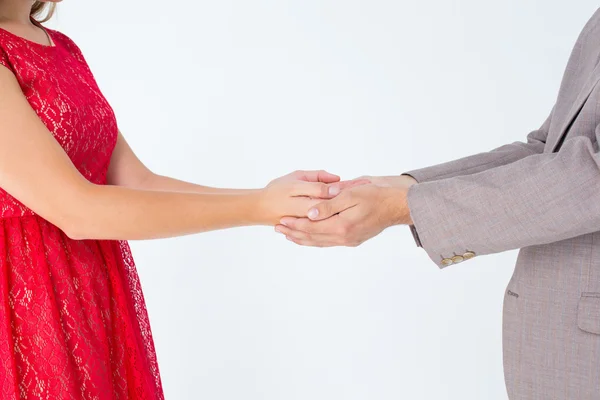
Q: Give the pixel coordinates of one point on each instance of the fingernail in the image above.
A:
(282, 222)
(334, 190)
(277, 229)
(313, 213)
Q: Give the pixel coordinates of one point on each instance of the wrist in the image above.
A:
(401, 181)
(397, 206)
(259, 211)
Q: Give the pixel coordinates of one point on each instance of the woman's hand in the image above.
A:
(294, 194)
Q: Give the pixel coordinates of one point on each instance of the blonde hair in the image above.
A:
(42, 11)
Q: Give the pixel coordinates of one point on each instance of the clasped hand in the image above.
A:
(343, 213)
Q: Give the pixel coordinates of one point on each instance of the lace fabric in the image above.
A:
(73, 320)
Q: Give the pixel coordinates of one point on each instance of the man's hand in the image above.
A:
(354, 216)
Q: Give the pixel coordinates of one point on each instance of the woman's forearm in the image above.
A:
(114, 212)
(165, 183)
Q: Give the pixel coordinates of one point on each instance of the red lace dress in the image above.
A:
(73, 322)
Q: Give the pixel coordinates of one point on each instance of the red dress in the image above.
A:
(73, 322)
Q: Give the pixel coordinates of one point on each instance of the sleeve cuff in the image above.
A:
(413, 229)
(415, 234)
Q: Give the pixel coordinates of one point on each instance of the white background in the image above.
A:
(233, 93)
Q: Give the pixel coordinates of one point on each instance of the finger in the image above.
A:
(311, 243)
(329, 208)
(299, 235)
(289, 221)
(330, 226)
(305, 238)
(318, 176)
(312, 189)
(324, 191)
(336, 188)
(330, 232)
(284, 230)
(300, 205)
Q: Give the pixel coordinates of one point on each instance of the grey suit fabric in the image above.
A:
(541, 196)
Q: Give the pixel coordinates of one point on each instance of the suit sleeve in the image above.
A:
(507, 154)
(538, 199)
(502, 155)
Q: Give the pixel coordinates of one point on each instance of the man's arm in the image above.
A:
(510, 197)
(540, 199)
(502, 155)
(510, 153)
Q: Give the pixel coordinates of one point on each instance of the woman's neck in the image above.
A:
(15, 11)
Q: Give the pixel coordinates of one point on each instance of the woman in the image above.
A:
(74, 323)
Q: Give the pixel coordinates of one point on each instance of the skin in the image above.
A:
(353, 217)
(136, 203)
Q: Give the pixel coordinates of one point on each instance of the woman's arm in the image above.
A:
(35, 170)
(126, 169)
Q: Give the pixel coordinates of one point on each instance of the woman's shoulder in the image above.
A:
(59, 38)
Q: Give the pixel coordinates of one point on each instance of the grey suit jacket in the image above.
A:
(541, 196)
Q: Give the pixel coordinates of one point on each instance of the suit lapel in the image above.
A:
(584, 94)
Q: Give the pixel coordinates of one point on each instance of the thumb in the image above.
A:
(329, 208)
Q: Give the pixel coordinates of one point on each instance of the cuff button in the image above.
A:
(447, 261)
(468, 255)
(457, 259)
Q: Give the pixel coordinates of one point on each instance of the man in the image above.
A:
(541, 196)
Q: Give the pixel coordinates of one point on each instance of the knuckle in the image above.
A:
(345, 242)
(296, 225)
(349, 241)
(324, 189)
(342, 232)
(305, 236)
(298, 235)
(305, 227)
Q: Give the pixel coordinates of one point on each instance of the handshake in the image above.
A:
(316, 208)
